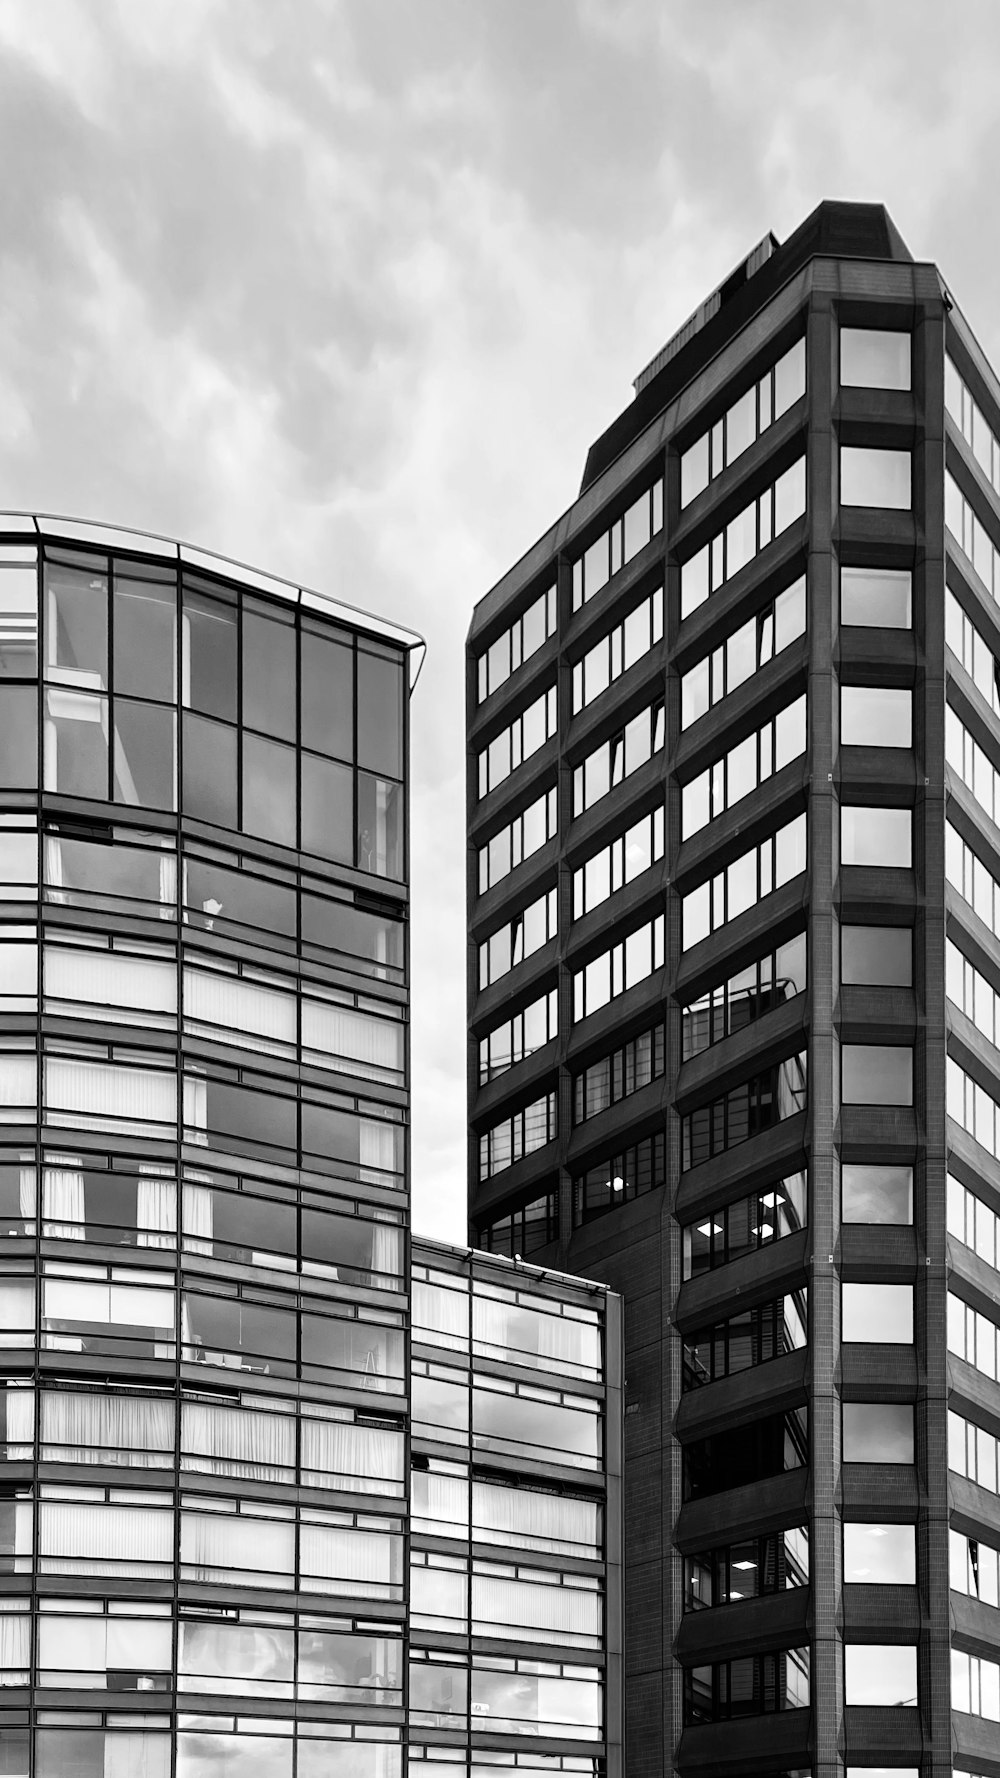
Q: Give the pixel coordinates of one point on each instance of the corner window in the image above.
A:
(877, 1432)
(875, 478)
(876, 1193)
(876, 598)
(876, 716)
(877, 956)
(876, 1074)
(876, 836)
(880, 1673)
(874, 358)
(880, 1553)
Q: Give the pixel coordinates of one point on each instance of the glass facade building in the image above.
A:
(205, 1534)
(747, 1069)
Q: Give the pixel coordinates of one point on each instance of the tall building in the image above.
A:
(734, 991)
(205, 1538)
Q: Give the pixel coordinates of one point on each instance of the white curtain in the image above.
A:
(555, 1338)
(440, 1500)
(360, 1042)
(355, 1455)
(501, 1606)
(199, 1221)
(20, 1414)
(540, 1521)
(362, 1759)
(17, 1312)
(98, 1537)
(196, 1109)
(156, 1209)
(387, 1255)
(100, 978)
(215, 1545)
(18, 1088)
(377, 1148)
(254, 1016)
(237, 1441)
(103, 1094)
(136, 1753)
(135, 1431)
(63, 1204)
(358, 1562)
(15, 1637)
(168, 885)
(27, 1190)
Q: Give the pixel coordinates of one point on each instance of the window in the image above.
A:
(619, 650)
(563, 1338)
(517, 644)
(880, 1673)
(522, 1419)
(524, 1230)
(517, 1135)
(874, 477)
(877, 1432)
(971, 535)
(880, 1553)
(973, 1336)
(875, 716)
(618, 1179)
(743, 883)
(744, 537)
(526, 1518)
(874, 358)
(749, 648)
(874, 1193)
(745, 1111)
(973, 993)
(877, 1314)
(744, 997)
(743, 768)
(876, 598)
(973, 764)
(519, 1036)
(531, 928)
(516, 743)
(974, 1568)
(18, 612)
(513, 844)
(745, 1226)
(613, 548)
(749, 1686)
(754, 1337)
(763, 403)
(972, 1452)
(751, 1569)
(617, 1075)
(975, 1685)
(876, 836)
(972, 423)
(974, 652)
(973, 1107)
(766, 1447)
(876, 1074)
(616, 759)
(972, 878)
(614, 972)
(973, 1222)
(627, 857)
(878, 956)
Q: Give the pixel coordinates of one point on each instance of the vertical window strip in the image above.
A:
(972, 993)
(516, 743)
(617, 758)
(973, 1222)
(975, 1685)
(971, 535)
(973, 880)
(509, 847)
(519, 938)
(749, 648)
(744, 422)
(622, 861)
(624, 539)
(524, 638)
(517, 1135)
(619, 650)
(973, 1336)
(972, 1452)
(617, 970)
(972, 649)
(965, 756)
(619, 1074)
(519, 1037)
(973, 1108)
(744, 537)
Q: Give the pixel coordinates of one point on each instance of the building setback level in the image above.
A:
(734, 1002)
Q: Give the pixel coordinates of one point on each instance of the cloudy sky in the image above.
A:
(345, 288)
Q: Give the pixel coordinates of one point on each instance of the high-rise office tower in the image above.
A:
(206, 1548)
(734, 991)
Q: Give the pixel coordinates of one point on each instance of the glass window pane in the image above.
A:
(880, 1314)
(875, 716)
(269, 809)
(380, 826)
(327, 808)
(874, 478)
(877, 1074)
(880, 1673)
(209, 770)
(880, 1553)
(881, 955)
(145, 613)
(209, 663)
(19, 737)
(18, 620)
(694, 469)
(876, 1193)
(145, 755)
(76, 742)
(380, 713)
(871, 358)
(876, 836)
(76, 613)
(327, 695)
(268, 673)
(877, 1432)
